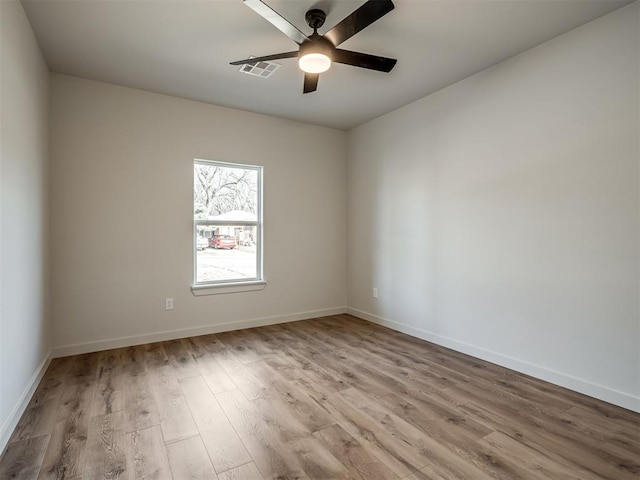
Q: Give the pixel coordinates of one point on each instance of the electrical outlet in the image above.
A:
(375, 292)
(168, 303)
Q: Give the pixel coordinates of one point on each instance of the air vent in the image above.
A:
(260, 69)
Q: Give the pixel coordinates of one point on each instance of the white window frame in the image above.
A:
(240, 284)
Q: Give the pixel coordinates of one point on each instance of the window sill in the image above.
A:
(220, 288)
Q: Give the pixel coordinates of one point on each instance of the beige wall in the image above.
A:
(122, 221)
(499, 216)
(24, 327)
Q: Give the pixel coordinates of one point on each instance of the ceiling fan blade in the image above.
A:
(310, 82)
(364, 60)
(359, 20)
(266, 58)
(276, 20)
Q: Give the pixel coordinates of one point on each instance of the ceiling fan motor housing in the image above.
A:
(317, 44)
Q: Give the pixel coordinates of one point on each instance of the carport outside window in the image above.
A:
(227, 209)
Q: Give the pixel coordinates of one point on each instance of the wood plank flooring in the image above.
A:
(330, 398)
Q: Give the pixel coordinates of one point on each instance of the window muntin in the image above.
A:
(228, 215)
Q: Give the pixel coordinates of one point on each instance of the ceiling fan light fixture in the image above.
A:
(315, 55)
(317, 52)
(314, 62)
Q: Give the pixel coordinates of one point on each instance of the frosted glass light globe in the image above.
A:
(314, 63)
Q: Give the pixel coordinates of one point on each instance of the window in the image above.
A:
(227, 206)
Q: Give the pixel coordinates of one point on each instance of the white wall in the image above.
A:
(122, 215)
(499, 216)
(24, 330)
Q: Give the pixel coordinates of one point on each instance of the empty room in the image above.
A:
(319, 239)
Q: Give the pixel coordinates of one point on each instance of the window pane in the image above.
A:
(225, 193)
(226, 253)
(227, 222)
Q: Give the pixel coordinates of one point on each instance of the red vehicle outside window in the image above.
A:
(222, 241)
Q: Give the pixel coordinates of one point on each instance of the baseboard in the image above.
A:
(600, 392)
(75, 349)
(21, 405)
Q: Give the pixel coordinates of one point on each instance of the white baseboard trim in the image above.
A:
(600, 392)
(78, 348)
(21, 405)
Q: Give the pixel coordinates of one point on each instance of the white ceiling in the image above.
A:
(183, 48)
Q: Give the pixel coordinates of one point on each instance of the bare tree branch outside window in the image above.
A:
(220, 189)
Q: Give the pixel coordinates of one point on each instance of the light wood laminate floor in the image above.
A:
(331, 398)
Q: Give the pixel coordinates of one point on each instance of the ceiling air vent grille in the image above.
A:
(260, 69)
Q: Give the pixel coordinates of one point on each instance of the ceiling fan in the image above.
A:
(317, 52)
